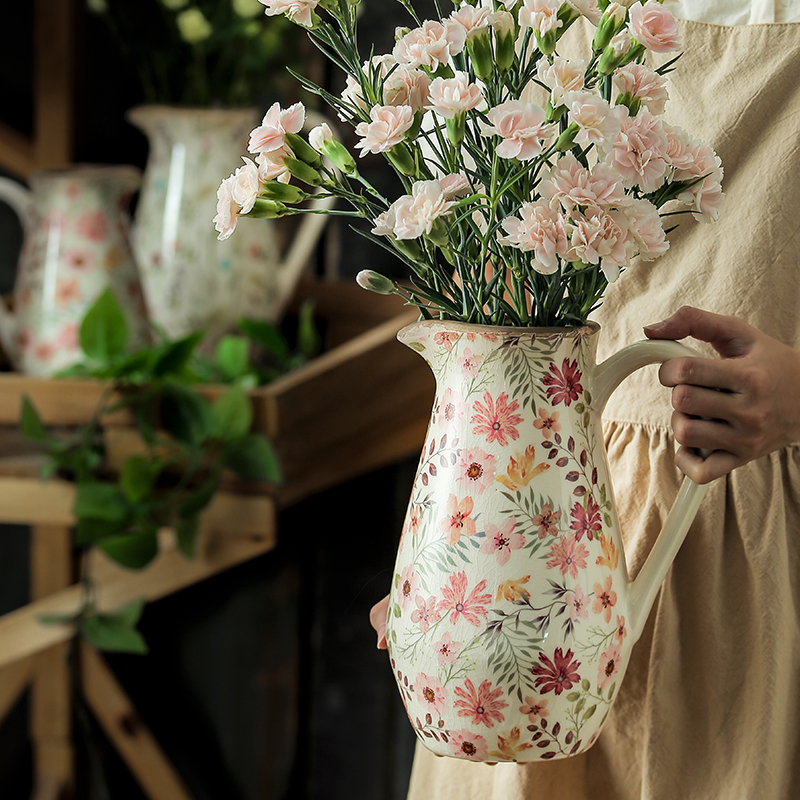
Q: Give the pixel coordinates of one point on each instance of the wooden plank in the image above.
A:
(127, 731)
(51, 695)
(361, 406)
(14, 679)
(29, 501)
(16, 151)
(234, 530)
(55, 51)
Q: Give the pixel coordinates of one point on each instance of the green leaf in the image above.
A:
(231, 357)
(590, 712)
(101, 501)
(198, 499)
(89, 531)
(130, 614)
(267, 336)
(174, 356)
(134, 550)
(31, 423)
(137, 477)
(585, 685)
(110, 633)
(573, 696)
(611, 691)
(103, 330)
(232, 414)
(186, 533)
(184, 413)
(254, 458)
(308, 338)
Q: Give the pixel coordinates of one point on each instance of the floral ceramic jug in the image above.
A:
(75, 245)
(511, 617)
(191, 280)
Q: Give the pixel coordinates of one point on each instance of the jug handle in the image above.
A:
(20, 199)
(644, 588)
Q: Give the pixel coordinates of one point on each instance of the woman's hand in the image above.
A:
(742, 406)
(377, 618)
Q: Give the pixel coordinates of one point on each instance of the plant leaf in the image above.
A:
(186, 534)
(31, 423)
(104, 330)
(137, 477)
(101, 501)
(111, 633)
(254, 458)
(134, 550)
(232, 414)
(184, 413)
(174, 356)
(267, 336)
(308, 338)
(231, 357)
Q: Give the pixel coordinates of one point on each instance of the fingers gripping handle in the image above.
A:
(608, 377)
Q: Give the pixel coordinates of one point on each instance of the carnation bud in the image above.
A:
(438, 234)
(303, 150)
(284, 192)
(505, 39)
(633, 103)
(547, 43)
(479, 46)
(456, 128)
(303, 171)
(375, 282)
(321, 139)
(402, 159)
(567, 139)
(267, 209)
(611, 23)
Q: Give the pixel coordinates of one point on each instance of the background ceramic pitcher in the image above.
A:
(191, 280)
(511, 618)
(75, 245)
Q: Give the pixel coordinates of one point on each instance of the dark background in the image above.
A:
(264, 682)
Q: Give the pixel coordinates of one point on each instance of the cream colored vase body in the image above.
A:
(76, 244)
(511, 617)
(192, 281)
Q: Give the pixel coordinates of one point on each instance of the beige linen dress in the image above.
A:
(710, 706)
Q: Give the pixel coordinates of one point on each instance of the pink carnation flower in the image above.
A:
(298, 11)
(644, 225)
(521, 126)
(451, 96)
(540, 230)
(586, 8)
(639, 153)
(277, 122)
(454, 185)
(413, 214)
(540, 15)
(654, 26)
(272, 165)
(562, 76)
(570, 185)
(406, 87)
(227, 210)
(430, 45)
(386, 129)
(643, 83)
(705, 197)
(601, 237)
(245, 186)
(597, 122)
(471, 18)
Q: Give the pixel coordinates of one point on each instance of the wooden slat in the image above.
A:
(28, 501)
(359, 407)
(16, 151)
(51, 694)
(14, 679)
(55, 51)
(127, 731)
(234, 530)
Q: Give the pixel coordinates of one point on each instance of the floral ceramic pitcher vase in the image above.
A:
(511, 617)
(76, 245)
(192, 281)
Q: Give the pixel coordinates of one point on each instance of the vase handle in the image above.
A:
(608, 376)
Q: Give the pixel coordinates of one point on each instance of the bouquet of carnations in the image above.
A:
(530, 179)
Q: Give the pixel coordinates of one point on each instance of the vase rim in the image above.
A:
(589, 328)
(175, 110)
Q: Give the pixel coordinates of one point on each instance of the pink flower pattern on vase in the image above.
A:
(506, 630)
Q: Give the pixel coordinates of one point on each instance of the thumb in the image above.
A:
(729, 336)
